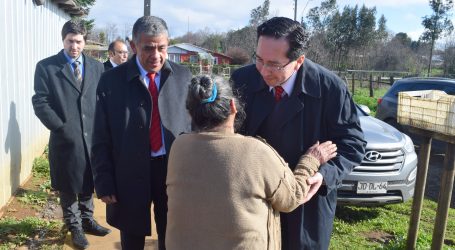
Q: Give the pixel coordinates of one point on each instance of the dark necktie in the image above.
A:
(77, 72)
(278, 93)
(155, 126)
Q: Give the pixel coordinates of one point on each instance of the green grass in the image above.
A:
(15, 233)
(386, 227)
(362, 96)
(40, 166)
(36, 199)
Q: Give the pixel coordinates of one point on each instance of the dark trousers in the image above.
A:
(159, 200)
(77, 208)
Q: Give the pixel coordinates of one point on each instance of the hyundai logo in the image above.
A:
(373, 156)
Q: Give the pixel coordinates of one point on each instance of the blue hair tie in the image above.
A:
(213, 96)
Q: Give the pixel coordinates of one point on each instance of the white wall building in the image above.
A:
(30, 32)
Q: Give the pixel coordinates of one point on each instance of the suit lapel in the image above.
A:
(88, 75)
(67, 72)
(291, 107)
(261, 107)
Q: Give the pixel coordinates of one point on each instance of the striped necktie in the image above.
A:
(77, 72)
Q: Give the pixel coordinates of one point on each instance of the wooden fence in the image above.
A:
(371, 79)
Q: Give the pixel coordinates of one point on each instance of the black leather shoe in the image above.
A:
(79, 239)
(92, 227)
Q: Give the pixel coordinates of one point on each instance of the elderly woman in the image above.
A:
(226, 190)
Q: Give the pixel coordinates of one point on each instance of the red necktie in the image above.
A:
(155, 126)
(278, 93)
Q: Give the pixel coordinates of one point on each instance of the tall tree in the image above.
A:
(437, 25)
(260, 14)
(381, 32)
(319, 17)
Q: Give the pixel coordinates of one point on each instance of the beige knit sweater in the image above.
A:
(225, 191)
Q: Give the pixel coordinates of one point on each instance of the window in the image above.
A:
(174, 58)
(193, 59)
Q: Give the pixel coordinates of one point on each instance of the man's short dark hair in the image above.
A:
(112, 45)
(292, 31)
(76, 27)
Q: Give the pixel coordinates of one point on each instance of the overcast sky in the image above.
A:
(224, 15)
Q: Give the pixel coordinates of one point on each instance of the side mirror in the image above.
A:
(365, 108)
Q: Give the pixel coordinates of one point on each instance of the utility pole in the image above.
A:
(295, 10)
(146, 7)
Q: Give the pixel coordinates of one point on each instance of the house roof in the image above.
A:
(203, 53)
(194, 48)
(189, 47)
(71, 7)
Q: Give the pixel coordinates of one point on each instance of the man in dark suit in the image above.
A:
(140, 111)
(64, 101)
(293, 103)
(118, 54)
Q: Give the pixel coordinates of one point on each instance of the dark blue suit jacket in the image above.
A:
(320, 108)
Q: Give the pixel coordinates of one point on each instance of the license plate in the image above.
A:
(371, 187)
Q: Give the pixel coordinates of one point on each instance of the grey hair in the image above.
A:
(206, 116)
(149, 25)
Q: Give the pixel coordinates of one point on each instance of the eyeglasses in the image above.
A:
(121, 52)
(271, 66)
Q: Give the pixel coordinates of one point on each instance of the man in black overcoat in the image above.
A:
(64, 101)
(140, 111)
(293, 103)
(118, 54)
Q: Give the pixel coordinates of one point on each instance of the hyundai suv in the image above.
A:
(388, 171)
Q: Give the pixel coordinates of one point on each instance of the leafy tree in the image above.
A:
(102, 37)
(239, 56)
(86, 4)
(89, 24)
(244, 38)
(260, 14)
(214, 42)
(319, 17)
(437, 25)
(403, 38)
(381, 32)
(366, 33)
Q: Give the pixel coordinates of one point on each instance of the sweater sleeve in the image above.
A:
(286, 190)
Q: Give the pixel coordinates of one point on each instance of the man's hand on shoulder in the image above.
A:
(315, 183)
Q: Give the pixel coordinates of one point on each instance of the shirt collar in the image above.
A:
(142, 70)
(113, 63)
(71, 60)
(288, 85)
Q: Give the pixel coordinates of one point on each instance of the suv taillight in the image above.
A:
(379, 100)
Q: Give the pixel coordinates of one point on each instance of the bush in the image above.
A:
(40, 167)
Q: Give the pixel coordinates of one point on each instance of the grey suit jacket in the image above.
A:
(68, 112)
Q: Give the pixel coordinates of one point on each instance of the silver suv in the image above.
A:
(388, 171)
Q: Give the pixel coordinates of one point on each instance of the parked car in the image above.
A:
(388, 171)
(387, 105)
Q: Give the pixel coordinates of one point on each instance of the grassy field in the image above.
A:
(362, 96)
(386, 227)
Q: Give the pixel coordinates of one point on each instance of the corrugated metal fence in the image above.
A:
(29, 34)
